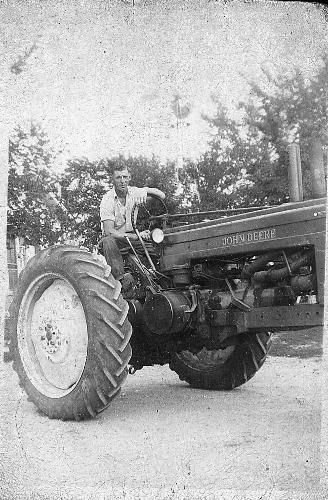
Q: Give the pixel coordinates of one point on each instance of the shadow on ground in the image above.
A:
(298, 344)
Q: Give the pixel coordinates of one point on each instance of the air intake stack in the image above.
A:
(319, 187)
(317, 169)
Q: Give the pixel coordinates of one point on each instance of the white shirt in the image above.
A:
(112, 209)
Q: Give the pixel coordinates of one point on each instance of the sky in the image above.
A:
(103, 74)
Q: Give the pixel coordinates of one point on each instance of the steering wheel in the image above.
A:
(149, 215)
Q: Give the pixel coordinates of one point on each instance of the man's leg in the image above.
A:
(112, 254)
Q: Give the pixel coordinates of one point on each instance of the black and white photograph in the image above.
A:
(163, 202)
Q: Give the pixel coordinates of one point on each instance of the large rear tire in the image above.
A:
(69, 333)
(223, 369)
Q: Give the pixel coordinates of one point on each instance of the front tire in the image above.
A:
(223, 369)
(69, 333)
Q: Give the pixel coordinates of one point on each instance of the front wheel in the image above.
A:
(223, 369)
(69, 337)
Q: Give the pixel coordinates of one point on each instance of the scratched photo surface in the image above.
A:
(221, 105)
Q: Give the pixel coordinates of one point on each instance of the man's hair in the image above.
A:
(116, 166)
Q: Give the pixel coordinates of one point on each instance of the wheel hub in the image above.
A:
(53, 341)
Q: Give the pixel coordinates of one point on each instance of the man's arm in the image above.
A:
(156, 192)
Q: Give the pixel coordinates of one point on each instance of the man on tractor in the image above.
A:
(115, 213)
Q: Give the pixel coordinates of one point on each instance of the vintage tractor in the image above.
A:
(205, 302)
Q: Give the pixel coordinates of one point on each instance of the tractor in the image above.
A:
(205, 300)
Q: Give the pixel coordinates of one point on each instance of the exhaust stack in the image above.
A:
(295, 173)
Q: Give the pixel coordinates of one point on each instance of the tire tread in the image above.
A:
(241, 366)
(108, 328)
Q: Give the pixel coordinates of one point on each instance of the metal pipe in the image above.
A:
(152, 265)
(274, 275)
(258, 264)
(294, 173)
(319, 188)
(299, 172)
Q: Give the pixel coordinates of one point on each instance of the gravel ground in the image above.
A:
(162, 439)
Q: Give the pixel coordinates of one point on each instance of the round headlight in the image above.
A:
(157, 235)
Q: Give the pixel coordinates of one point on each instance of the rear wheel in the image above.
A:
(223, 369)
(69, 333)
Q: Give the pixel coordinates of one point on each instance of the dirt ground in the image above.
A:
(162, 439)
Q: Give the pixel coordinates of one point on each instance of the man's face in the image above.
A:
(121, 179)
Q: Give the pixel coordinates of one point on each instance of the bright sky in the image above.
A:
(104, 73)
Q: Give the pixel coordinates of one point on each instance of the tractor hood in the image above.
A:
(288, 225)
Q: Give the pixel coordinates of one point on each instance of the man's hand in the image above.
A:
(140, 200)
(145, 235)
(131, 236)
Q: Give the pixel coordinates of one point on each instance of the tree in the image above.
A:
(30, 180)
(247, 163)
(220, 174)
(296, 110)
(83, 184)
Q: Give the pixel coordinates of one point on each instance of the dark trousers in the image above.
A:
(111, 248)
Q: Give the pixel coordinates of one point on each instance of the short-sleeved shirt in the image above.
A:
(112, 209)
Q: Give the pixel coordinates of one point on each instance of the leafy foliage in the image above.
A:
(219, 176)
(30, 179)
(296, 111)
(247, 163)
(83, 183)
